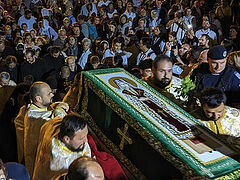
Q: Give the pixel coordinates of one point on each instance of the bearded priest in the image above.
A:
(64, 140)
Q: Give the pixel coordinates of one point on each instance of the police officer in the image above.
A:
(219, 74)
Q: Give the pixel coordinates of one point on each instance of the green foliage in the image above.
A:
(187, 85)
(186, 88)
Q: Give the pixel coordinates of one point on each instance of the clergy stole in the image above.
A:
(111, 168)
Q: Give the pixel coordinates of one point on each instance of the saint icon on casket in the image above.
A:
(146, 103)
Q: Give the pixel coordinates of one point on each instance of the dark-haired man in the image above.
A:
(161, 11)
(31, 66)
(64, 140)
(204, 41)
(38, 112)
(130, 46)
(206, 30)
(147, 52)
(180, 55)
(215, 115)
(53, 62)
(162, 79)
(83, 24)
(77, 34)
(117, 50)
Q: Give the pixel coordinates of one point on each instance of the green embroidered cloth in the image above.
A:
(181, 134)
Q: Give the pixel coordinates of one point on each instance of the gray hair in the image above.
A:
(4, 76)
(86, 40)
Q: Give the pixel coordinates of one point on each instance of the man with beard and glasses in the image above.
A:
(64, 140)
(162, 79)
(37, 112)
(219, 118)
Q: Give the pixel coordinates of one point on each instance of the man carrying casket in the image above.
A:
(162, 79)
(64, 140)
(219, 118)
(35, 115)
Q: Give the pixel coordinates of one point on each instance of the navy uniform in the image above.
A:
(228, 80)
(231, 83)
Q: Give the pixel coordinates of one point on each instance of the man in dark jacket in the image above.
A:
(31, 66)
(53, 62)
(219, 74)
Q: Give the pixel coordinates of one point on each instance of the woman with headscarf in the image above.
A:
(47, 30)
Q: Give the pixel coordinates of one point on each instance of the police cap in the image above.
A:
(217, 52)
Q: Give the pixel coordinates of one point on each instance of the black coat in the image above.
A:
(6, 52)
(52, 66)
(36, 69)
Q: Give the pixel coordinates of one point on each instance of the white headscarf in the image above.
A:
(45, 26)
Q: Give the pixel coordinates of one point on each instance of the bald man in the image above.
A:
(38, 112)
(84, 168)
(87, 168)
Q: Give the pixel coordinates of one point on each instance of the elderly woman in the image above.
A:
(86, 52)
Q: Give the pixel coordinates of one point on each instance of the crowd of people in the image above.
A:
(46, 44)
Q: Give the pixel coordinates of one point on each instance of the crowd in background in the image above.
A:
(52, 41)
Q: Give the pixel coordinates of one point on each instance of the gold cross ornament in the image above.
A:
(124, 136)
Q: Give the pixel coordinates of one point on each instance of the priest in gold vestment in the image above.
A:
(163, 81)
(35, 115)
(219, 118)
(64, 140)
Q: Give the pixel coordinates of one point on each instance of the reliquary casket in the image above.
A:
(150, 136)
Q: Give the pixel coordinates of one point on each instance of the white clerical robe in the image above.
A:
(62, 157)
(228, 126)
